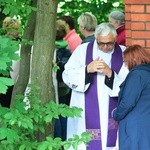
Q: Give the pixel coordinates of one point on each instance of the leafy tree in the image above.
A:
(20, 124)
(25, 53)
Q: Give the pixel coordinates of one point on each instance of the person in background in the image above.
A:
(94, 72)
(87, 24)
(133, 111)
(11, 28)
(62, 56)
(117, 19)
(72, 37)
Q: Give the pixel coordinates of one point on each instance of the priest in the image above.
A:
(94, 72)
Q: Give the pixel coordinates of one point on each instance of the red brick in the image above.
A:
(137, 22)
(137, 26)
(147, 48)
(128, 42)
(137, 8)
(136, 1)
(140, 35)
(148, 43)
(140, 17)
(128, 33)
(128, 8)
(140, 42)
(127, 16)
(148, 8)
(128, 24)
(148, 26)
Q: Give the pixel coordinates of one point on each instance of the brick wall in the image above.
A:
(137, 22)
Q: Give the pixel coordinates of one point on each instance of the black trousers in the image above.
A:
(60, 126)
(5, 99)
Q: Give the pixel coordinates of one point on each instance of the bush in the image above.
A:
(20, 124)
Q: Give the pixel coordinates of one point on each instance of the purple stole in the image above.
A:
(92, 116)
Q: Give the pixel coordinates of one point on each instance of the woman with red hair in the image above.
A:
(133, 110)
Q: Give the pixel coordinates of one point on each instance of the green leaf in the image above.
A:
(12, 122)
(67, 146)
(4, 82)
(8, 116)
(3, 88)
(76, 137)
(42, 129)
(19, 123)
(24, 124)
(30, 124)
(50, 147)
(10, 134)
(43, 146)
(48, 118)
(55, 67)
(6, 11)
(22, 147)
(4, 59)
(86, 137)
(36, 118)
(2, 133)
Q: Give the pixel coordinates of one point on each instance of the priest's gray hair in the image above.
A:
(104, 29)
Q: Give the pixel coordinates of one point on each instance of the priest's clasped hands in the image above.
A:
(98, 65)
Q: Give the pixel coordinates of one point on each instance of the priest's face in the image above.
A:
(106, 43)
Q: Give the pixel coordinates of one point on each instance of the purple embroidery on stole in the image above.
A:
(91, 101)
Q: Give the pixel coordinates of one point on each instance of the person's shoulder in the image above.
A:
(136, 72)
(75, 36)
(141, 68)
(83, 45)
(122, 47)
(81, 48)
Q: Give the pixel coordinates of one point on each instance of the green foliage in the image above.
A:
(17, 7)
(77, 140)
(8, 52)
(55, 66)
(4, 83)
(100, 8)
(19, 124)
(20, 9)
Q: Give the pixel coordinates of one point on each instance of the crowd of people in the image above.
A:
(108, 80)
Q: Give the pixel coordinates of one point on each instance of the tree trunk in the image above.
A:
(25, 54)
(43, 51)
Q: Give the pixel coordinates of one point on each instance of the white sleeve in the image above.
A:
(15, 70)
(118, 79)
(15, 67)
(74, 73)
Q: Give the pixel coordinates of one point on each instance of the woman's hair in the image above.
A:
(88, 21)
(11, 26)
(135, 55)
(118, 16)
(69, 20)
(104, 29)
(60, 30)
